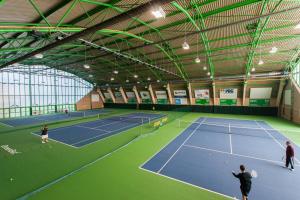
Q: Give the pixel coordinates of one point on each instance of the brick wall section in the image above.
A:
(291, 112)
(86, 102)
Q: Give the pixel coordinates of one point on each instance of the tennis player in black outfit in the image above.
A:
(245, 180)
(44, 134)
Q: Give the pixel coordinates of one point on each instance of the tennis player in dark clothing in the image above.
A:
(289, 159)
(245, 180)
(44, 134)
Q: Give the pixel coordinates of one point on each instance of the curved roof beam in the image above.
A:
(257, 35)
(203, 35)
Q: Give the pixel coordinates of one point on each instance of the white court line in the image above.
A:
(92, 128)
(26, 196)
(230, 143)
(7, 125)
(107, 124)
(190, 184)
(172, 140)
(181, 146)
(102, 135)
(235, 154)
(274, 139)
(51, 139)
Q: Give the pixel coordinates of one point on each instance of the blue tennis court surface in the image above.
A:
(85, 133)
(38, 119)
(206, 152)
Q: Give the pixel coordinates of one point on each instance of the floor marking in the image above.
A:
(107, 132)
(275, 139)
(7, 125)
(230, 142)
(26, 196)
(92, 128)
(51, 139)
(172, 140)
(235, 154)
(193, 132)
(187, 183)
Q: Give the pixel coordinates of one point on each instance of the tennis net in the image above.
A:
(76, 114)
(243, 130)
(137, 120)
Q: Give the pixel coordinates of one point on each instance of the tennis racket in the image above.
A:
(254, 174)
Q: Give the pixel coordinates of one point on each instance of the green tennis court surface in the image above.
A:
(111, 164)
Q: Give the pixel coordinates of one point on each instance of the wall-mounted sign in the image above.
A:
(228, 93)
(107, 97)
(260, 96)
(162, 97)
(131, 97)
(145, 96)
(180, 96)
(202, 97)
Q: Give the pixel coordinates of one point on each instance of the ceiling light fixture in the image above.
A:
(135, 76)
(116, 71)
(91, 76)
(39, 56)
(149, 79)
(158, 12)
(273, 50)
(204, 68)
(197, 60)
(297, 26)
(138, 82)
(158, 81)
(260, 62)
(185, 46)
(127, 81)
(208, 73)
(112, 78)
(86, 66)
(253, 69)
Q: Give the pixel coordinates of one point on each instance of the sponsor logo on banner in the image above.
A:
(107, 95)
(9, 149)
(228, 93)
(145, 95)
(161, 94)
(118, 94)
(202, 94)
(180, 93)
(130, 94)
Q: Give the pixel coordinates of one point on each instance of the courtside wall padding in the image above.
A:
(240, 110)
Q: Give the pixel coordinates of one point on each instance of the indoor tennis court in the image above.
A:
(150, 99)
(210, 147)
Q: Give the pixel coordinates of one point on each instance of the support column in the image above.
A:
(123, 95)
(190, 94)
(152, 94)
(112, 95)
(170, 94)
(280, 92)
(101, 95)
(244, 93)
(214, 93)
(137, 96)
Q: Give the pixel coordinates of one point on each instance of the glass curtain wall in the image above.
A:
(34, 90)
